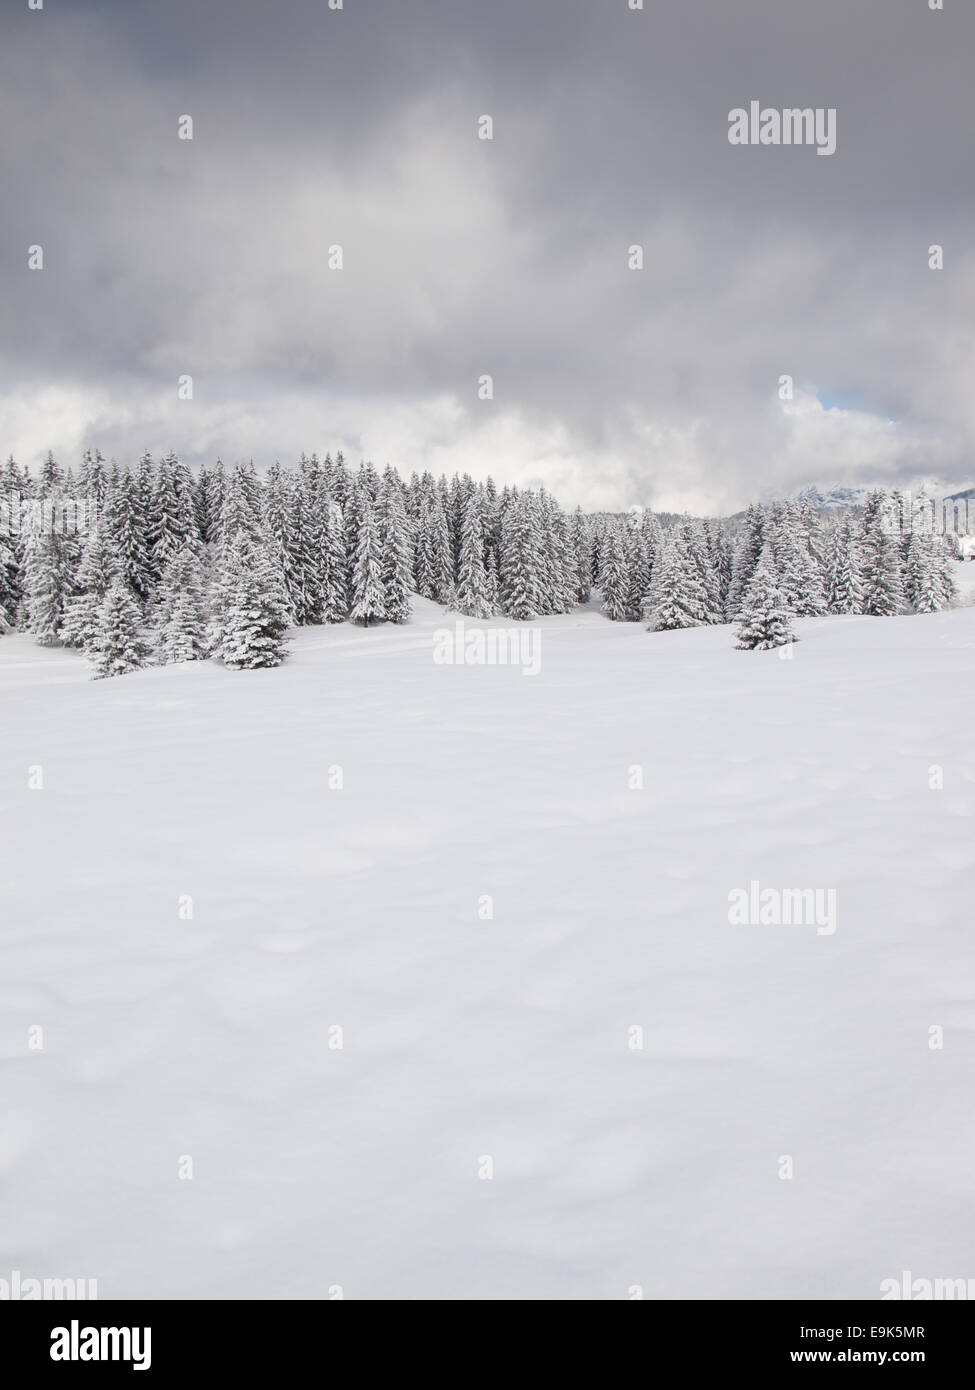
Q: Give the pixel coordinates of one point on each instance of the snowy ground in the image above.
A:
(509, 1038)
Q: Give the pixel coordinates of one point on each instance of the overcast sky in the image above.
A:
(464, 257)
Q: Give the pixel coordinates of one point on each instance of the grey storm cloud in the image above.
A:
(315, 127)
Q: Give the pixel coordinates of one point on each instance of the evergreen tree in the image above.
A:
(10, 589)
(746, 557)
(614, 579)
(51, 480)
(695, 544)
(844, 585)
(677, 597)
(394, 547)
(434, 558)
(251, 614)
(883, 591)
(333, 566)
(118, 645)
(473, 589)
(125, 525)
(98, 569)
(928, 583)
(764, 620)
(368, 597)
(580, 537)
(181, 611)
(282, 532)
(48, 575)
(240, 511)
(520, 560)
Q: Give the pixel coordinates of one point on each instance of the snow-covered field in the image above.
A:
(468, 1037)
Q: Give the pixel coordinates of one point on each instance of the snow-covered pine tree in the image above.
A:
(333, 565)
(473, 590)
(93, 480)
(51, 480)
(696, 546)
(580, 540)
(251, 614)
(98, 569)
(394, 549)
(11, 553)
(434, 558)
(239, 512)
(943, 564)
(720, 556)
(677, 596)
(280, 522)
(212, 489)
(883, 590)
(764, 619)
(165, 531)
(118, 645)
(48, 573)
(560, 577)
(639, 570)
(928, 582)
(614, 577)
(125, 524)
(9, 586)
(180, 613)
(368, 600)
(844, 586)
(520, 561)
(747, 551)
(800, 581)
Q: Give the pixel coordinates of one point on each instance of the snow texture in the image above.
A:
(508, 1037)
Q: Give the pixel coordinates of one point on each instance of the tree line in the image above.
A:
(173, 565)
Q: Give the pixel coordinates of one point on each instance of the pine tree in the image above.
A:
(125, 523)
(928, 583)
(181, 612)
(251, 614)
(883, 591)
(434, 556)
(368, 597)
(333, 566)
(800, 579)
(10, 590)
(677, 597)
(746, 557)
(520, 560)
(580, 539)
(764, 620)
(281, 527)
(473, 590)
(614, 579)
(98, 569)
(165, 531)
(844, 584)
(48, 576)
(695, 543)
(240, 510)
(394, 547)
(118, 645)
(51, 480)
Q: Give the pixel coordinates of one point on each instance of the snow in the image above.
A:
(315, 1167)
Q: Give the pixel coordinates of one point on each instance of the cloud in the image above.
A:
(461, 257)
